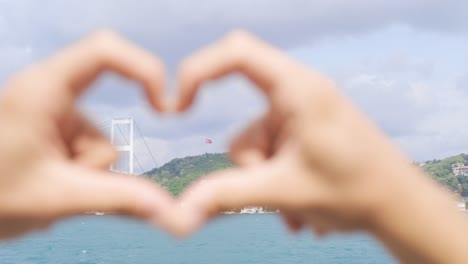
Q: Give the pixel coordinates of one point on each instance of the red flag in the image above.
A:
(209, 141)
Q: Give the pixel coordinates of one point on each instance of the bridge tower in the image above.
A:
(123, 147)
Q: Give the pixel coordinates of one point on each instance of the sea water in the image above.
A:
(232, 240)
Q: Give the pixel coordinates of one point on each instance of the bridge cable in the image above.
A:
(146, 144)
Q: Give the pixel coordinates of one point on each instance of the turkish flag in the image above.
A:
(209, 141)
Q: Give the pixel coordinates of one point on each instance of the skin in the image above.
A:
(318, 159)
(53, 161)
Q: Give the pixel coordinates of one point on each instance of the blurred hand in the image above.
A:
(313, 155)
(53, 161)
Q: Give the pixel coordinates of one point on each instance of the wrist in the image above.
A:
(419, 223)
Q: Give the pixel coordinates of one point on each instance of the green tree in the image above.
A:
(179, 173)
(462, 179)
(464, 191)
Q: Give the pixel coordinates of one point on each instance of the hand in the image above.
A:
(311, 152)
(314, 156)
(53, 161)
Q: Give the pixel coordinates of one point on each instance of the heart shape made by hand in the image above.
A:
(295, 157)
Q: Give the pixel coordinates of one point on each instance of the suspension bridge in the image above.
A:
(127, 138)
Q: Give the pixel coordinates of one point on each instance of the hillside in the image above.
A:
(441, 171)
(178, 173)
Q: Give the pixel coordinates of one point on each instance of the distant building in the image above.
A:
(460, 169)
(252, 210)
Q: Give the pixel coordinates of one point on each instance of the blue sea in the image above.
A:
(233, 239)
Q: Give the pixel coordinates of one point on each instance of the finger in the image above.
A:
(293, 223)
(223, 191)
(256, 143)
(325, 221)
(231, 189)
(238, 52)
(13, 228)
(252, 145)
(262, 185)
(318, 223)
(87, 190)
(87, 144)
(65, 75)
(315, 221)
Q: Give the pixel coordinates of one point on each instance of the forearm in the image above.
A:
(420, 223)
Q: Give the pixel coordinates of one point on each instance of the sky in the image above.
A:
(403, 63)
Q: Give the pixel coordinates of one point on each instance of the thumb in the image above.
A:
(89, 190)
(231, 190)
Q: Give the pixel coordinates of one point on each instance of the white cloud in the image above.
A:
(402, 79)
(427, 122)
